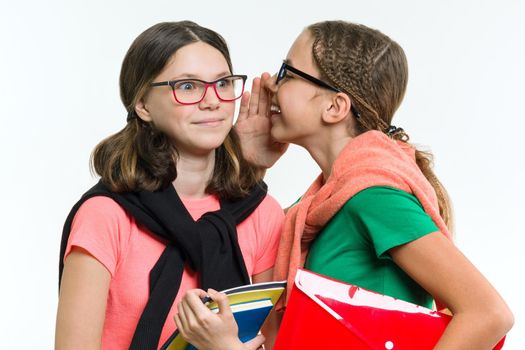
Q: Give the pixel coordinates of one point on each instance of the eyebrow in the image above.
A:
(194, 76)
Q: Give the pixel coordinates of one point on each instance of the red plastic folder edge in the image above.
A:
(323, 313)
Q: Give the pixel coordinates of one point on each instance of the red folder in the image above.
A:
(323, 313)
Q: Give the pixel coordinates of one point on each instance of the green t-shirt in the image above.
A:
(353, 247)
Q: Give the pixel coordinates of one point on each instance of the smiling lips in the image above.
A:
(209, 122)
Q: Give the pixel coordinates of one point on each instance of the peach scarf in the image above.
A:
(371, 159)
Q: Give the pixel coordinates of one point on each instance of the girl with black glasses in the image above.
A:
(377, 216)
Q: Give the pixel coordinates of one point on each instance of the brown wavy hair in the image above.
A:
(372, 69)
(142, 158)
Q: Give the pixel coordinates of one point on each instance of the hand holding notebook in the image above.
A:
(240, 313)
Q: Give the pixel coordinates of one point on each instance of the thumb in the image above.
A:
(222, 301)
(255, 343)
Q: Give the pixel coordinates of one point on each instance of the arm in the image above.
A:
(480, 316)
(82, 302)
(253, 126)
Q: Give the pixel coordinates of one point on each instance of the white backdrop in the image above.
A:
(59, 67)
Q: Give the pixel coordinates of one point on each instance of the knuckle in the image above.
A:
(192, 326)
(206, 321)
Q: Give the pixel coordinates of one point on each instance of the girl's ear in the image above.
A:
(142, 111)
(337, 109)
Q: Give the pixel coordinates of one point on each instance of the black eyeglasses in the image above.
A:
(192, 91)
(286, 67)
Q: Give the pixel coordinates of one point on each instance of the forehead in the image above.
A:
(199, 60)
(300, 54)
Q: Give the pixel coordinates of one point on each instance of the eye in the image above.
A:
(185, 85)
(285, 79)
(223, 83)
(286, 76)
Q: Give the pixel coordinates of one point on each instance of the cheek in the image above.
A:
(170, 119)
(229, 110)
(293, 96)
(291, 104)
(160, 112)
(160, 101)
(285, 99)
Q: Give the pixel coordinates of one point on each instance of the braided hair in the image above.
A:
(372, 69)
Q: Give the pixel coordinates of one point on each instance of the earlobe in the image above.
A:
(142, 111)
(338, 109)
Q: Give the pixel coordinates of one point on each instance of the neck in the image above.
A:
(326, 152)
(193, 174)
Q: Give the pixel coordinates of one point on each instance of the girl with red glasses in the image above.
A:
(177, 206)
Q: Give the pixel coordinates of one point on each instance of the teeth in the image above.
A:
(274, 108)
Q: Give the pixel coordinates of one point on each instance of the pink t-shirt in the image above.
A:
(129, 252)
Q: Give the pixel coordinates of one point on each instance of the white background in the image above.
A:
(59, 67)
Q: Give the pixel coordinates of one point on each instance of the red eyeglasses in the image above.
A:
(192, 91)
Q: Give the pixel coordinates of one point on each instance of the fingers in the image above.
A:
(255, 343)
(181, 321)
(190, 311)
(192, 302)
(264, 98)
(254, 100)
(188, 316)
(197, 292)
(181, 325)
(271, 84)
(258, 101)
(245, 107)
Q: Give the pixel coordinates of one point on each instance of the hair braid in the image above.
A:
(371, 68)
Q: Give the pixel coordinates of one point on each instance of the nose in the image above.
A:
(210, 99)
(271, 84)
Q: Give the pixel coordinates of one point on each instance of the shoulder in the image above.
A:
(102, 228)
(269, 212)
(101, 203)
(376, 198)
(270, 205)
(267, 218)
(389, 212)
(101, 210)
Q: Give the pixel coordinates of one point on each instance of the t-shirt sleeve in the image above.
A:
(100, 226)
(390, 217)
(269, 226)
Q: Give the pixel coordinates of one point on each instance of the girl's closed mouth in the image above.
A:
(209, 122)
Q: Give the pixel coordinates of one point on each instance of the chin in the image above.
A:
(278, 135)
(211, 144)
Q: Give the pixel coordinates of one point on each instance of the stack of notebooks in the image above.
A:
(250, 305)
